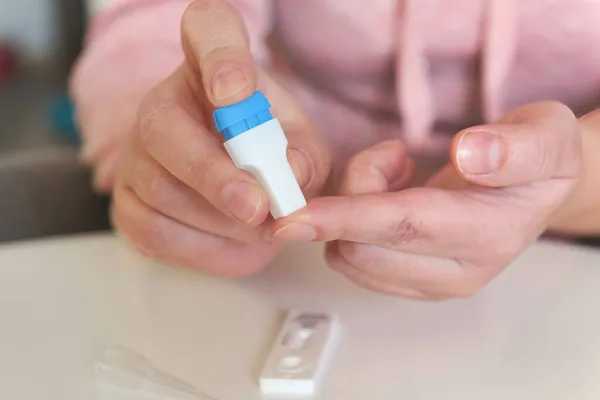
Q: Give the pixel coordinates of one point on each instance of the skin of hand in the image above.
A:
(177, 195)
(101, 151)
(506, 184)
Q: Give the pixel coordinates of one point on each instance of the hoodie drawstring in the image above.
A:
(414, 88)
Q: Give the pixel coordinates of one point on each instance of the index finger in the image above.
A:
(216, 45)
(422, 221)
(383, 219)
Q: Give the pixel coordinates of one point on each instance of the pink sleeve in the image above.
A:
(131, 46)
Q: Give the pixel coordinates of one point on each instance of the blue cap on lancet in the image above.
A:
(238, 118)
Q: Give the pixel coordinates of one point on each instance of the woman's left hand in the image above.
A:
(506, 183)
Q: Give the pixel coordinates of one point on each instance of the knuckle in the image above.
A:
(350, 252)
(545, 153)
(558, 142)
(200, 171)
(357, 254)
(569, 124)
(151, 238)
(152, 112)
(334, 262)
(356, 162)
(334, 259)
(152, 184)
(360, 166)
(147, 234)
(157, 191)
(404, 231)
(355, 169)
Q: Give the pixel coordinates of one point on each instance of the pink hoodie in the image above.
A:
(419, 70)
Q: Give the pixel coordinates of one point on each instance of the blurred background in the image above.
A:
(44, 189)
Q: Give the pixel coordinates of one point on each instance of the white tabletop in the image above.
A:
(533, 334)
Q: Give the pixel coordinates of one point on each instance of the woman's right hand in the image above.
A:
(177, 196)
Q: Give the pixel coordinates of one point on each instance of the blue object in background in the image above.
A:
(62, 119)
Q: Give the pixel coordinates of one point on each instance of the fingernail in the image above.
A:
(301, 165)
(227, 81)
(243, 200)
(297, 232)
(479, 153)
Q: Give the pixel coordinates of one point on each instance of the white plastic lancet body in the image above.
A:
(256, 143)
(121, 374)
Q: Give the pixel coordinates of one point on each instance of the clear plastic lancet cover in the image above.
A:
(121, 374)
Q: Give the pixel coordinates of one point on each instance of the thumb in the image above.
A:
(216, 44)
(535, 142)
